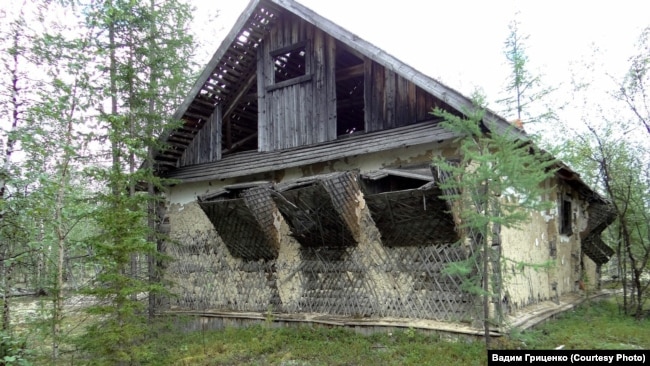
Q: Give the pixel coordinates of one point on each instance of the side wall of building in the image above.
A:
(367, 278)
(541, 260)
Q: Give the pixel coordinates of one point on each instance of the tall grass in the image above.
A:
(597, 325)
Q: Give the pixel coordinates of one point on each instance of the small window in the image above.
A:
(290, 63)
(566, 213)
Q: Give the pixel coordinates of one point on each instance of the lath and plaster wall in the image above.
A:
(366, 278)
(539, 242)
(363, 279)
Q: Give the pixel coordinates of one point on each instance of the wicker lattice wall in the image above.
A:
(411, 284)
(341, 266)
(206, 276)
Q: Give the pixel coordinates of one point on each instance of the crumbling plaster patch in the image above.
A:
(531, 243)
(526, 244)
(290, 279)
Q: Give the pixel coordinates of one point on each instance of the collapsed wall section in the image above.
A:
(245, 224)
(313, 246)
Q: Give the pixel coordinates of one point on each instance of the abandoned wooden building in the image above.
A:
(303, 186)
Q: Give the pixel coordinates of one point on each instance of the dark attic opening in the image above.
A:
(350, 105)
(406, 207)
(239, 132)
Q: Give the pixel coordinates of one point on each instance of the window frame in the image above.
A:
(307, 76)
(566, 216)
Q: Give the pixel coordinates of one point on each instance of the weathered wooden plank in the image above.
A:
(296, 118)
(277, 117)
(308, 128)
(389, 99)
(330, 72)
(215, 141)
(412, 100)
(318, 51)
(377, 105)
(403, 115)
(263, 73)
(281, 121)
(252, 162)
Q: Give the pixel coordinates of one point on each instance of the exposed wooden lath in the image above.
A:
(227, 80)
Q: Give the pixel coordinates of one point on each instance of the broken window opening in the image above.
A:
(565, 217)
(391, 183)
(290, 62)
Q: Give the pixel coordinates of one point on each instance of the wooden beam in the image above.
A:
(239, 143)
(243, 91)
(228, 134)
(350, 72)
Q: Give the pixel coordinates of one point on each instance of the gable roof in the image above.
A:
(231, 73)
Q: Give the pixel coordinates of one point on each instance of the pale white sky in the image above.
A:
(461, 42)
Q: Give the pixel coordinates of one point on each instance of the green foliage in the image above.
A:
(318, 346)
(315, 345)
(494, 171)
(614, 155)
(144, 50)
(495, 181)
(527, 94)
(12, 350)
(582, 327)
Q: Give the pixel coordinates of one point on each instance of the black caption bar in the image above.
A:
(568, 357)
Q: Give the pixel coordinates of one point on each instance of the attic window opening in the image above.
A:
(350, 102)
(290, 62)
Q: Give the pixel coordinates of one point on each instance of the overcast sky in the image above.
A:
(461, 42)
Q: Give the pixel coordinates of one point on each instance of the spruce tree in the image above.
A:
(144, 48)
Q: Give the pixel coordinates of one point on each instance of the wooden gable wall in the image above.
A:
(392, 101)
(206, 145)
(302, 113)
